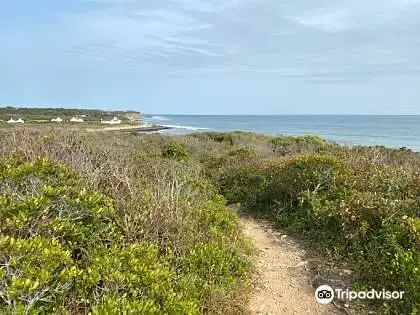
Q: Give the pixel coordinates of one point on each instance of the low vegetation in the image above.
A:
(88, 227)
(92, 223)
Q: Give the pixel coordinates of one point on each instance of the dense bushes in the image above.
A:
(292, 145)
(60, 244)
(42, 198)
(176, 151)
(109, 240)
(150, 204)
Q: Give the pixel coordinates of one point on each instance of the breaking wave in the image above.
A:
(185, 127)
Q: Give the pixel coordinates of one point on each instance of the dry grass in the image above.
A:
(157, 199)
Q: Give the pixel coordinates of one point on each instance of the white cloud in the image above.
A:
(227, 36)
(342, 16)
(157, 32)
(332, 21)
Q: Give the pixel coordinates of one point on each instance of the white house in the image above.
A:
(12, 121)
(58, 119)
(113, 121)
(78, 120)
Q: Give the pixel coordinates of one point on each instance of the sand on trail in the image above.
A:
(283, 282)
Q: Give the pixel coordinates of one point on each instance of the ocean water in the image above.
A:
(391, 131)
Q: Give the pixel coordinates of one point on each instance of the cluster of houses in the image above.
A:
(74, 119)
(113, 121)
(12, 121)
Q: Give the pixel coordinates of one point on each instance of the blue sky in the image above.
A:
(213, 56)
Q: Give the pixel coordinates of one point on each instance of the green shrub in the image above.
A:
(176, 151)
(296, 180)
(131, 273)
(312, 174)
(244, 186)
(217, 221)
(43, 198)
(286, 145)
(221, 169)
(221, 137)
(218, 264)
(213, 269)
(64, 248)
(36, 275)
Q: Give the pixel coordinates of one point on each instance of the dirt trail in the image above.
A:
(283, 284)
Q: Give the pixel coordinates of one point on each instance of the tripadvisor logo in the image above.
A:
(324, 294)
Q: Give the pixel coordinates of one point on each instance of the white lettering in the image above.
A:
(361, 295)
(349, 295)
(352, 295)
(395, 295)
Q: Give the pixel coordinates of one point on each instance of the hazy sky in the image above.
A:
(213, 56)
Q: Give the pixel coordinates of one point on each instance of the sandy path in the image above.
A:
(283, 283)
